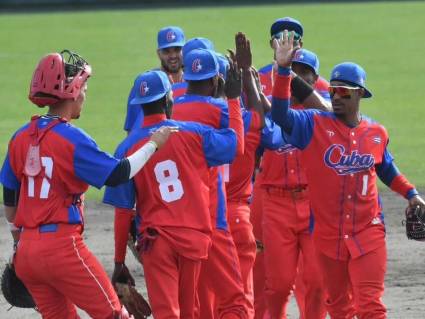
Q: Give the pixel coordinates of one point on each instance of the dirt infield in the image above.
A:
(405, 280)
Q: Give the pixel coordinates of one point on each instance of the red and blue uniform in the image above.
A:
(286, 223)
(134, 116)
(267, 78)
(238, 177)
(50, 212)
(342, 164)
(225, 296)
(177, 223)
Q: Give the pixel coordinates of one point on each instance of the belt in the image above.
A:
(296, 192)
(55, 230)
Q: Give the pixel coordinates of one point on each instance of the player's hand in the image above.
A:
(233, 86)
(284, 49)
(122, 274)
(161, 135)
(243, 51)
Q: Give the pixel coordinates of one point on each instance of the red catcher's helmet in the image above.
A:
(58, 76)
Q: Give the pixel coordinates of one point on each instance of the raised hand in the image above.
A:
(233, 86)
(284, 49)
(243, 51)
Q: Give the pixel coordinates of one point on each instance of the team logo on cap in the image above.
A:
(196, 66)
(361, 81)
(336, 74)
(299, 55)
(144, 89)
(171, 36)
(343, 164)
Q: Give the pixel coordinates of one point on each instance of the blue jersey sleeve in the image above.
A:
(219, 146)
(302, 128)
(387, 170)
(271, 135)
(7, 176)
(123, 195)
(133, 112)
(90, 163)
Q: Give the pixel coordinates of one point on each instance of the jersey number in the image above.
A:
(170, 186)
(47, 163)
(365, 181)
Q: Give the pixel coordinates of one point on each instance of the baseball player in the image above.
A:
(286, 219)
(224, 295)
(267, 73)
(172, 197)
(170, 41)
(343, 152)
(49, 165)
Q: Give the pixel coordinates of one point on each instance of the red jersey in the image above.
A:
(215, 113)
(341, 164)
(172, 189)
(70, 161)
(238, 175)
(267, 78)
(282, 167)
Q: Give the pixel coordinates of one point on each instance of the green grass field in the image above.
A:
(385, 38)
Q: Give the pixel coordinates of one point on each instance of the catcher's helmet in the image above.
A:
(58, 76)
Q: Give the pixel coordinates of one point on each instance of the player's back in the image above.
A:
(173, 187)
(67, 156)
(202, 109)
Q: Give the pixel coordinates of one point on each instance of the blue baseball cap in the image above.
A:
(352, 74)
(286, 23)
(223, 65)
(308, 58)
(197, 43)
(150, 86)
(170, 37)
(200, 64)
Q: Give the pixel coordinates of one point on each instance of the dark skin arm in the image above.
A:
(243, 57)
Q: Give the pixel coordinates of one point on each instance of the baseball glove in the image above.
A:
(133, 301)
(14, 291)
(415, 223)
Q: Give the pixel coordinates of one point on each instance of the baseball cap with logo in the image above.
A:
(352, 74)
(197, 43)
(200, 64)
(150, 87)
(170, 37)
(286, 23)
(308, 58)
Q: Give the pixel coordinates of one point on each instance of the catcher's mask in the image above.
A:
(58, 76)
(14, 291)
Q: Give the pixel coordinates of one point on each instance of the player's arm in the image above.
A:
(219, 146)
(11, 188)
(390, 175)
(233, 89)
(297, 126)
(10, 200)
(250, 79)
(98, 168)
(306, 94)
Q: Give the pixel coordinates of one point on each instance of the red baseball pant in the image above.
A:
(171, 281)
(61, 273)
(243, 237)
(286, 217)
(221, 292)
(258, 270)
(355, 286)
